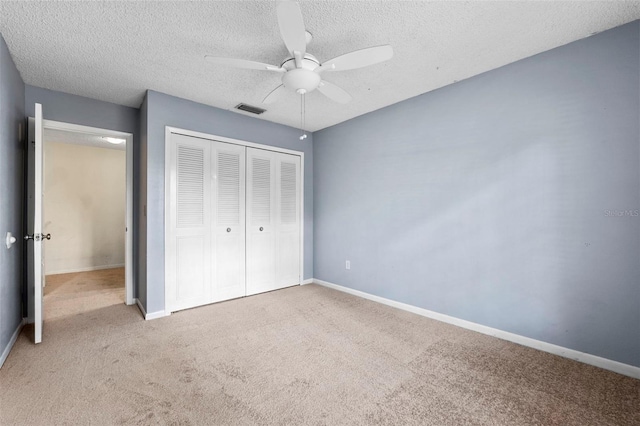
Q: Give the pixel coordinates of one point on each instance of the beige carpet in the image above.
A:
(304, 355)
(71, 294)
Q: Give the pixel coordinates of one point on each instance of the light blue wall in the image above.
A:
(164, 110)
(140, 167)
(67, 108)
(11, 195)
(487, 200)
(59, 106)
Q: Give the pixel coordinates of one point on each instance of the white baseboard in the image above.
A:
(12, 341)
(85, 269)
(607, 364)
(308, 281)
(151, 315)
(156, 315)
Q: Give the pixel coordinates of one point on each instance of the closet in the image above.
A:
(233, 219)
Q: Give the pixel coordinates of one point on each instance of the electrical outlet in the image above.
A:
(347, 264)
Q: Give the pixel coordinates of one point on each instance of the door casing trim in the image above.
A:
(129, 224)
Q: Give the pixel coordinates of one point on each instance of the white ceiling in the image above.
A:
(78, 138)
(114, 51)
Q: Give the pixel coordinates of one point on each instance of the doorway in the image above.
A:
(91, 231)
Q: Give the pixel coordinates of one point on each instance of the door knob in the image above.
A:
(228, 229)
(261, 228)
(10, 240)
(46, 237)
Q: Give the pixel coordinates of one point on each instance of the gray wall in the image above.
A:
(164, 110)
(496, 199)
(58, 106)
(11, 194)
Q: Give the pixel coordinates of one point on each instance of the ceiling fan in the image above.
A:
(301, 71)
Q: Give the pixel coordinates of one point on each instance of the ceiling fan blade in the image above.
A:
(334, 92)
(242, 63)
(274, 95)
(292, 27)
(358, 59)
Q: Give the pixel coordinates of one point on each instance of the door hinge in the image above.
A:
(38, 237)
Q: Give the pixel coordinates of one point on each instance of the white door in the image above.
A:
(261, 235)
(206, 218)
(228, 208)
(289, 220)
(233, 221)
(273, 220)
(189, 227)
(35, 259)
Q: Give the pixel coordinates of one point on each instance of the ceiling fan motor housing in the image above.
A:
(301, 80)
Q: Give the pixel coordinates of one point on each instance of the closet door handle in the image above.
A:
(228, 229)
(261, 228)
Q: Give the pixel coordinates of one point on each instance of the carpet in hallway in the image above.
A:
(73, 293)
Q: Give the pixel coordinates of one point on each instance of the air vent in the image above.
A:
(251, 109)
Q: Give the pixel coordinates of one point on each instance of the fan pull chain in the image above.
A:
(303, 114)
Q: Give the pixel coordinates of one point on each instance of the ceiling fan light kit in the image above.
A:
(301, 81)
(301, 71)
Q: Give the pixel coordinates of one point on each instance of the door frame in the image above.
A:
(207, 136)
(129, 224)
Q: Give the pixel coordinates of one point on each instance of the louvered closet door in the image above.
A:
(273, 220)
(288, 238)
(189, 274)
(233, 221)
(228, 255)
(261, 236)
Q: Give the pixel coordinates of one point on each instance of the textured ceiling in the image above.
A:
(77, 138)
(114, 51)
